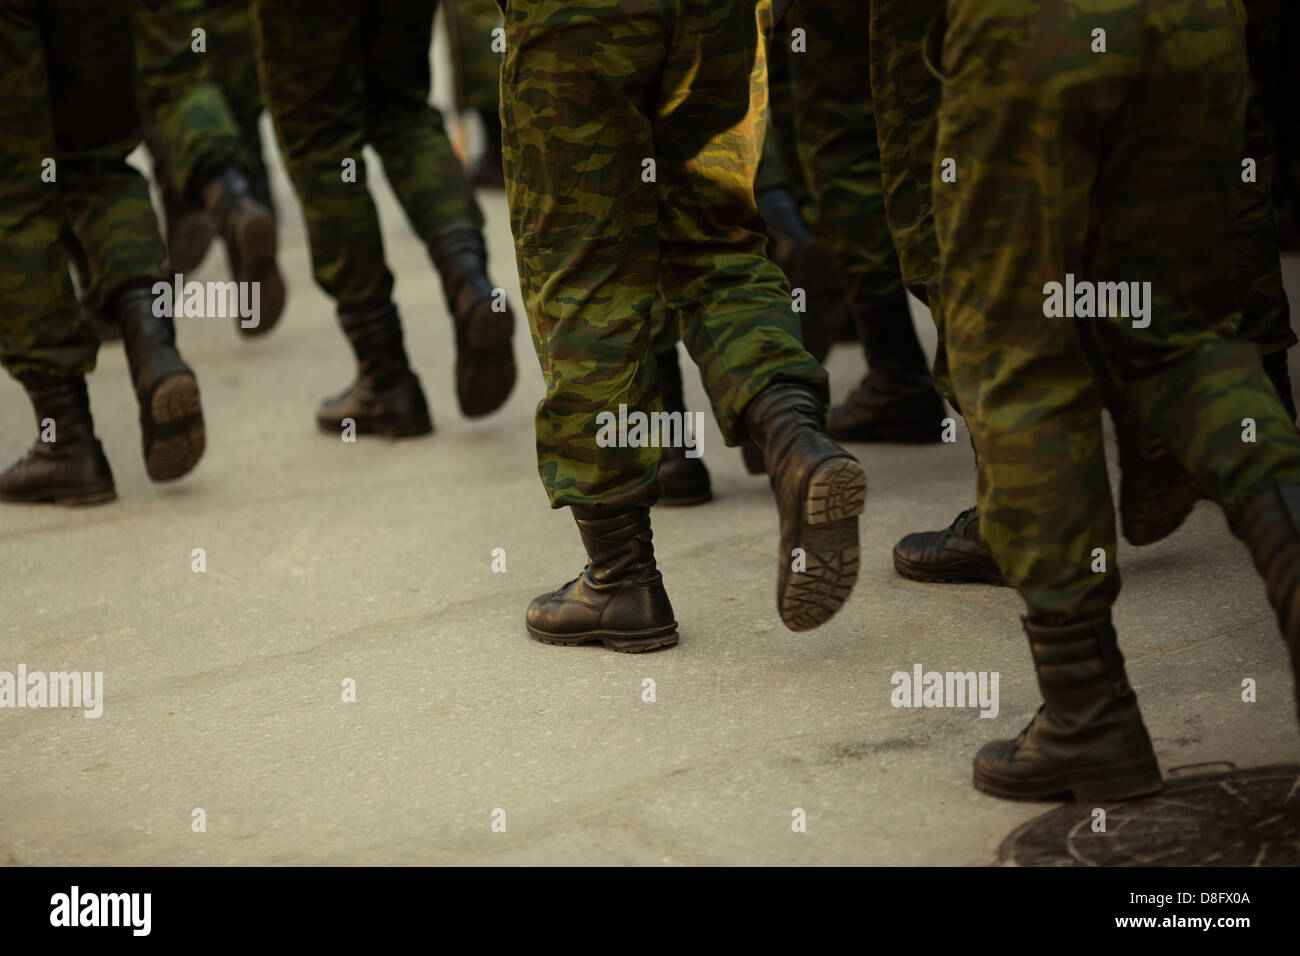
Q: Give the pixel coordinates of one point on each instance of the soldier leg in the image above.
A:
(684, 480)
(734, 304)
(593, 233)
(316, 95)
(204, 155)
(230, 42)
(430, 184)
(835, 130)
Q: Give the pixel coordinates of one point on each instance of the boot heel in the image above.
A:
(835, 497)
(175, 440)
(837, 490)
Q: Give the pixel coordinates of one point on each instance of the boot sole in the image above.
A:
(485, 368)
(176, 440)
(835, 498)
(1156, 518)
(258, 246)
(623, 642)
(962, 573)
(73, 497)
(1126, 781)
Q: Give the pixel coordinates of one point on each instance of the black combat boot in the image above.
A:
(386, 398)
(1270, 527)
(489, 171)
(1088, 738)
(820, 489)
(485, 358)
(171, 419)
(685, 481)
(955, 555)
(1156, 493)
(189, 227)
(70, 469)
(619, 598)
(896, 400)
(249, 232)
(805, 263)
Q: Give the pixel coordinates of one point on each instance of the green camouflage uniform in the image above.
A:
(1118, 166)
(197, 133)
(591, 90)
(67, 93)
(835, 140)
(230, 45)
(338, 75)
(477, 66)
(905, 95)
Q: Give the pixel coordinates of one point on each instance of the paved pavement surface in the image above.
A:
(372, 562)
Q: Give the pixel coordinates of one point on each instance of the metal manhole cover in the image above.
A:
(1239, 818)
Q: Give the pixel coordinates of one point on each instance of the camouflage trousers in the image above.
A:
(835, 139)
(632, 137)
(905, 95)
(230, 43)
(196, 130)
(67, 97)
(338, 75)
(1079, 167)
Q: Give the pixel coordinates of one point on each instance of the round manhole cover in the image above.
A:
(1239, 818)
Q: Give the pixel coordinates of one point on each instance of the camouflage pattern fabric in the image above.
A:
(195, 126)
(67, 94)
(230, 43)
(1111, 167)
(836, 142)
(338, 75)
(592, 93)
(905, 95)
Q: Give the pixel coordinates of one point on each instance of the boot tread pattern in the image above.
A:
(177, 439)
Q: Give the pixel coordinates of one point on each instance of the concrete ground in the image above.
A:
(372, 562)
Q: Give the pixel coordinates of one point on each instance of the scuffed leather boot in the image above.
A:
(896, 400)
(249, 232)
(889, 406)
(171, 419)
(820, 490)
(619, 599)
(1270, 527)
(1156, 493)
(386, 398)
(685, 481)
(807, 265)
(1088, 738)
(485, 358)
(71, 468)
(955, 555)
